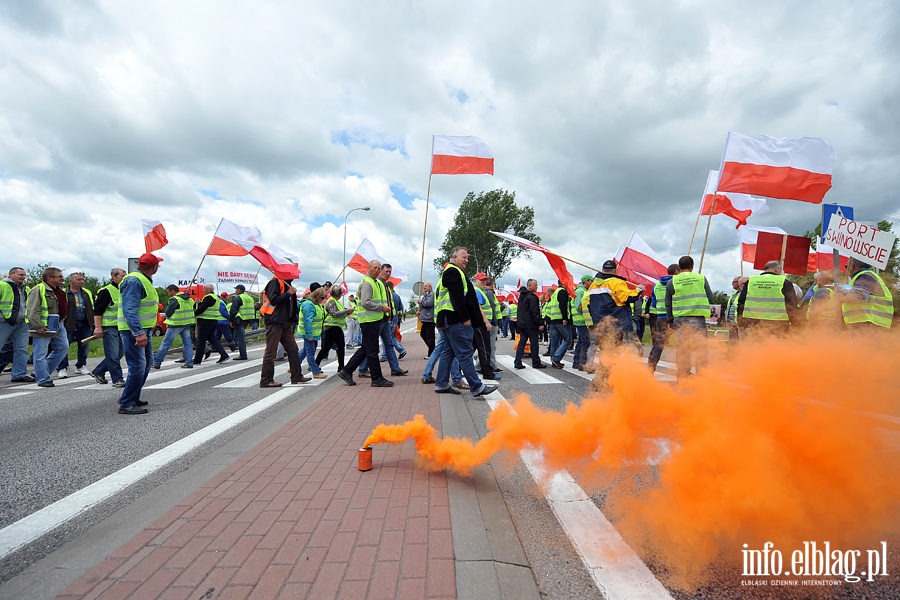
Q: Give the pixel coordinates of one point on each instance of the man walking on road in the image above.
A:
(136, 320)
(208, 314)
(279, 311)
(12, 323)
(79, 323)
(179, 318)
(241, 313)
(106, 319)
(530, 323)
(45, 300)
(688, 297)
(373, 313)
(456, 310)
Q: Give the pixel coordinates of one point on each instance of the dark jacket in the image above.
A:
(88, 308)
(529, 309)
(285, 303)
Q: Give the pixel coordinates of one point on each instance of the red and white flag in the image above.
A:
(785, 168)
(154, 235)
(633, 276)
(281, 263)
(821, 258)
(231, 239)
(344, 288)
(460, 155)
(639, 263)
(556, 261)
(749, 236)
(366, 253)
(737, 206)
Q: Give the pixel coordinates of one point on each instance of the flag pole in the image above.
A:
(696, 222)
(712, 209)
(194, 278)
(425, 226)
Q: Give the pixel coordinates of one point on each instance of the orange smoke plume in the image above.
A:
(786, 440)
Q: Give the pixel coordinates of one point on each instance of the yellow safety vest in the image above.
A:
(879, 310)
(148, 308)
(690, 299)
(765, 300)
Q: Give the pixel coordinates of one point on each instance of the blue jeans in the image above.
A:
(392, 325)
(82, 330)
(455, 375)
(172, 333)
(458, 342)
(690, 336)
(44, 364)
(239, 338)
(138, 360)
(581, 347)
(112, 355)
(560, 340)
(19, 335)
(308, 351)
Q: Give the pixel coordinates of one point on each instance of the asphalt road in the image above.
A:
(55, 442)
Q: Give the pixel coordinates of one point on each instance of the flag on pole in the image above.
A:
(785, 168)
(749, 235)
(280, 262)
(821, 258)
(556, 262)
(737, 206)
(366, 253)
(154, 235)
(639, 263)
(231, 239)
(633, 276)
(460, 155)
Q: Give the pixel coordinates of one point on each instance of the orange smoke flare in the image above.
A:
(786, 440)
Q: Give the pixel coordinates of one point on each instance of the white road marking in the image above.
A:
(329, 368)
(211, 374)
(35, 525)
(15, 394)
(532, 376)
(616, 570)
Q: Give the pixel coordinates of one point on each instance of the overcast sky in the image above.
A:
(603, 116)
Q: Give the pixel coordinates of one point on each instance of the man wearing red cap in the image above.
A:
(136, 319)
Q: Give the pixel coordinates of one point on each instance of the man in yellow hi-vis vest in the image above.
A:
(136, 319)
(688, 297)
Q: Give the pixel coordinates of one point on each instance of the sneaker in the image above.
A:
(133, 410)
(187, 366)
(402, 354)
(462, 385)
(556, 364)
(448, 390)
(382, 383)
(180, 360)
(82, 371)
(99, 378)
(119, 384)
(427, 380)
(155, 366)
(320, 376)
(365, 374)
(47, 384)
(539, 366)
(519, 366)
(62, 374)
(225, 358)
(399, 373)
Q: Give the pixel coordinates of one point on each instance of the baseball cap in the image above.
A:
(480, 275)
(148, 260)
(587, 277)
(240, 286)
(609, 265)
(327, 284)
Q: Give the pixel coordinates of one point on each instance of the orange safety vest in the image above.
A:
(267, 307)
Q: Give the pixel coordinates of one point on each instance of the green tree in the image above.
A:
(476, 218)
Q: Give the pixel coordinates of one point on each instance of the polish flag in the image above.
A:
(737, 206)
(233, 240)
(518, 284)
(785, 168)
(749, 236)
(366, 253)
(821, 258)
(344, 289)
(280, 262)
(556, 261)
(638, 256)
(460, 155)
(632, 275)
(154, 235)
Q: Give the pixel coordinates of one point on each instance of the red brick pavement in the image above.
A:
(294, 517)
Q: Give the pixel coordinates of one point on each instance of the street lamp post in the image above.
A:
(347, 216)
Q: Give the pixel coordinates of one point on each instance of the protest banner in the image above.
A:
(235, 277)
(865, 242)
